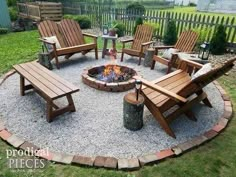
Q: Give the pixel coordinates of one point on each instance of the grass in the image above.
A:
(216, 158)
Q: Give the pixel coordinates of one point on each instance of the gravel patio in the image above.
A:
(96, 128)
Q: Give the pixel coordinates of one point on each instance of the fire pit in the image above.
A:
(113, 78)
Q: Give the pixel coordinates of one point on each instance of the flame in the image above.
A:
(110, 69)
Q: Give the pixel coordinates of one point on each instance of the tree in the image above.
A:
(139, 21)
(170, 36)
(218, 42)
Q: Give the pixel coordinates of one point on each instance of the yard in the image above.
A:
(216, 158)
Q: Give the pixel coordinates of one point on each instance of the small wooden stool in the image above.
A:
(133, 111)
(148, 57)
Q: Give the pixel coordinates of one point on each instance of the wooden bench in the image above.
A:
(48, 85)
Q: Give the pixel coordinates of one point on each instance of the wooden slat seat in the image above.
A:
(70, 37)
(185, 43)
(177, 90)
(140, 42)
(49, 85)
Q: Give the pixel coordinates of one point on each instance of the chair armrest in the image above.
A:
(126, 40)
(147, 43)
(90, 35)
(47, 42)
(163, 47)
(162, 90)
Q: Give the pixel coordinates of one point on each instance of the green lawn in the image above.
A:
(216, 158)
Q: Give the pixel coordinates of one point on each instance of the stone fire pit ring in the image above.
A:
(108, 86)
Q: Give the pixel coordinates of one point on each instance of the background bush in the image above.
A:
(139, 21)
(170, 36)
(135, 9)
(3, 30)
(120, 28)
(203, 33)
(218, 42)
(156, 27)
(11, 3)
(83, 20)
(13, 13)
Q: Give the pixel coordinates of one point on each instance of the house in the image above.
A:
(185, 2)
(226, 6)
(5, 21)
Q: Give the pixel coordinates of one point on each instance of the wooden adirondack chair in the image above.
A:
(175, 89)
(70, 37)
(141, 41)
(185, 43)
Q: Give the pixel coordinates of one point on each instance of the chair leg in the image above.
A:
(207, 102)
(190, 115)
(139, 61)
(57, 62)
(49, 111)
(122, 56)
(71, 103)
(96, 53)
(169, 68)
(163, 123)
(153, 64)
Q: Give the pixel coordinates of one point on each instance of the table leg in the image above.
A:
(114, 48)
(104, 48)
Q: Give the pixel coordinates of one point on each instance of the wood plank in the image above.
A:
(41, 79)
(38, 85)
(50, 78)
(56, 77)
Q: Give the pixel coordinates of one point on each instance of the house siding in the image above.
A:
(4, 15)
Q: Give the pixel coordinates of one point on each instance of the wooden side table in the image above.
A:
(105, 50)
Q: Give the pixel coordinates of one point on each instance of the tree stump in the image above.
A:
(45, 60)
(133, 111)
(148, 57)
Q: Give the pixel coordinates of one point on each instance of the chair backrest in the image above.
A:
(49, 28)
(187, 41)
(72, 32)
(143, 34)
(203, 80)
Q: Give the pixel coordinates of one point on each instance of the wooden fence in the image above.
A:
(203, 23)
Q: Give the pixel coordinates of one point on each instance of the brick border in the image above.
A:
(124, 163)
(104, 86)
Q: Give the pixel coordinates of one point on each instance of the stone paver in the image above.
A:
(164, 153)
(62, 158)
(99, 161)
(199, 140)
(44, 153)
(218, 128)
(186, 145)
(83, 160)
(128, 164)
(29, 147)
(15, 141)
(4, 134)
(177, 150)
(210, 134)
(111, 162)
(148, 159)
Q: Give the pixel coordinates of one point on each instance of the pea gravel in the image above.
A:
(96, 128)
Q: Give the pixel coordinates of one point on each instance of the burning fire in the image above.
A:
(109, 69)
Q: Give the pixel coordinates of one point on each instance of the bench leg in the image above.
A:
(22, 86)
(51, 113)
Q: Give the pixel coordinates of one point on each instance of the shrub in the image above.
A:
(83, 20)
(13, 13)
(135, 9)
(203, 33)
(139, 21)
(218, 42)
(170, 36)
(120, 28)
(156, 27)
(3, 30)
(192, 4)
(11, 3)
